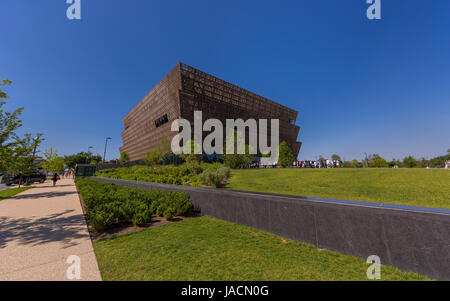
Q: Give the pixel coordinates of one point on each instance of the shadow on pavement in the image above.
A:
(43, 195)
(52, 228)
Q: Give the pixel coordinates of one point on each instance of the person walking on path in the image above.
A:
(55, 178)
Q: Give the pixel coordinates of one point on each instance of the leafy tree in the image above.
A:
(162, 152)
(439, 161)
(124, 158)
(336, 157)
(354, 163)
(9, 123)
(153, 158)
(81, 158)
(422, 163)
(23, 157)
(409, 162)
(376, 160)
(96, 161)
(52, 162)
(379, 162)
(285, 157)
(394, 163)
(236, 160)
(188, 152)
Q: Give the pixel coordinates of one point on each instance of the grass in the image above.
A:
(415, 187)
(5, 194)
(209, 249)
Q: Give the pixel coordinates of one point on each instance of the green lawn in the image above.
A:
(415, 187)
(209, 249)
(4, 194)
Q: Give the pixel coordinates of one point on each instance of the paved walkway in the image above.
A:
(39, 229)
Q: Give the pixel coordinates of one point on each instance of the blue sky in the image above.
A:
(375, 86)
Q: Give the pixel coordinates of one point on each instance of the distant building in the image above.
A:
(185, 90)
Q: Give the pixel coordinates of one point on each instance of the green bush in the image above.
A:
(215, 177)
(109, 205)
(188, 174)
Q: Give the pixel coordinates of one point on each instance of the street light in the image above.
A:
(106, 143)
(89, 149)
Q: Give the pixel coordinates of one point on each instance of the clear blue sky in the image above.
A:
(379, 86)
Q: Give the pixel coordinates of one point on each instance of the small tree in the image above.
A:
(235, 160)
(379, 162)
(23, 158)
(9, 123)
(285, 157)
(336, 157)
(124, 158)
(152, 158)
(81, 158)
(52, 163)
(410, 162)
(376, 160)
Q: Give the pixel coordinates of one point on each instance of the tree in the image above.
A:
(335, 157)
(81, 158)
(52, 162)
(152, 158)
(394, 163)
(376, 160)
(160, 152)
(9, 123)
(354, 163)
(285, 157)
(124, 158)
(23, 158)
(379, 162)
(235, 160)
(410, 162)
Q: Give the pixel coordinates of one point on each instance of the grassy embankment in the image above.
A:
(415, 187)
(209, 249)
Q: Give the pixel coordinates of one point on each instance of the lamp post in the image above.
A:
(89, 149)
(106, 144)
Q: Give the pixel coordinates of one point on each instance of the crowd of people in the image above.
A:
(325, 163)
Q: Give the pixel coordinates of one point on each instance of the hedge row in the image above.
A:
(185, 174)
(108, 205)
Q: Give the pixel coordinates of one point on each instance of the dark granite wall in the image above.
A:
(411, 238)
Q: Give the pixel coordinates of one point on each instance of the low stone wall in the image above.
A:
(411, 238)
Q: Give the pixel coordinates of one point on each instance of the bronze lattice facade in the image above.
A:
(185, 90)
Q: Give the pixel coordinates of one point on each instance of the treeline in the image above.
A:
(376, 161)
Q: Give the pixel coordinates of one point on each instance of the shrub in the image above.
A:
(285, 157)
(124, 158)
(215, 177)
(169, 213)
(108, 205)
(188, 174)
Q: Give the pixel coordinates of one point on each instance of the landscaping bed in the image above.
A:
(188, 174)
(108, 206)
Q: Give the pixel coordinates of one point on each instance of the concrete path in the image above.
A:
(39, 229)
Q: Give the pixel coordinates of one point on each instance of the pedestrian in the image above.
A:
(55, 178)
